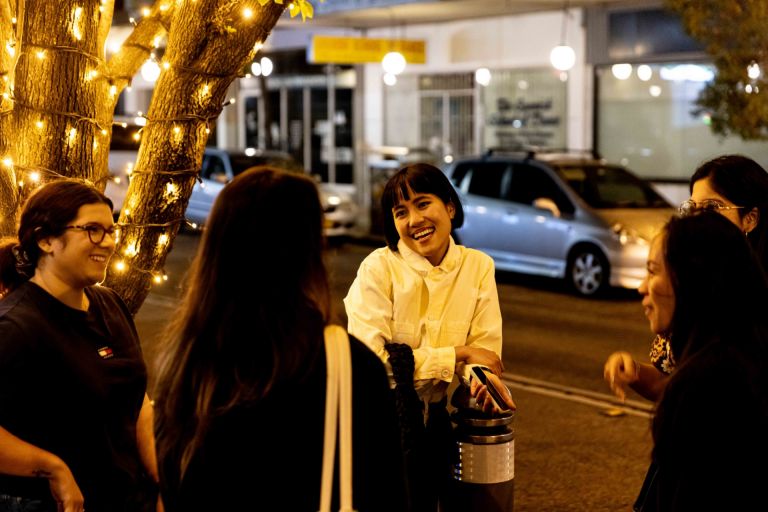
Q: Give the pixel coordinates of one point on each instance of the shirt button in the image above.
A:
(445, 374)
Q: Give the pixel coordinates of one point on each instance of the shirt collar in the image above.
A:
(421, 264)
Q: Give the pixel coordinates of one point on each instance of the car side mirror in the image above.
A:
(545, 203)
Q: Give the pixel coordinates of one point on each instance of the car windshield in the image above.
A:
(603, 186)
(241, 163)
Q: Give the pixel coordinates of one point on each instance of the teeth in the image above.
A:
(100, 259)
(421, 234)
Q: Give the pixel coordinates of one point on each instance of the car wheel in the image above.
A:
(588, 271)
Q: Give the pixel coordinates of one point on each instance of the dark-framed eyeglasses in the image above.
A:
(691, 207)
(96, 232)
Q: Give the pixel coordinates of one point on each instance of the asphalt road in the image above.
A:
(575, 450)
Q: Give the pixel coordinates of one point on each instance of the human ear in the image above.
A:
(451, 210)
(45, 245)
(750, 221)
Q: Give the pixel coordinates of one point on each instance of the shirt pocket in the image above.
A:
(455, 332)
(402, 332)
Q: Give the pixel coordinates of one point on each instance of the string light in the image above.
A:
(145, 11)
(76, 31)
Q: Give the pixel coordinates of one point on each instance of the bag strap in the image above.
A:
(338, 412)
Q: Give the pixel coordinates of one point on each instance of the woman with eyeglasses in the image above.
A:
(75, 420)
(737, 188)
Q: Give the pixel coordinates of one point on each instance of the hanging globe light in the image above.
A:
(483, 76)
(150, 71)
(562, 57)
(390, 79)
(393, 63)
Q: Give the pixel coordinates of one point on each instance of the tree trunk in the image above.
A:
(8, 191)
(209, 44)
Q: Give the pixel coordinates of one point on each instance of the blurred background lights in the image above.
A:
(644, 72)
(262, 67)
(655, 91)
(483, 76)
(390, 79)
(562, 57)
(150, 71)
(621, 71)
(393, 63)
(753, 71)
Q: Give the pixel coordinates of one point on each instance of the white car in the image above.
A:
(219, 167)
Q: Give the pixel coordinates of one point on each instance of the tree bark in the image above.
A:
(209, 44)
(8, 191)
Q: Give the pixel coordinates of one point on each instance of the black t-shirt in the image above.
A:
(72, 383)
(257, 450)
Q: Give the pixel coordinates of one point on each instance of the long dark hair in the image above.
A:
(46, 213)
(422, 179)
(721, 292)
(744, 182)
(253, 314)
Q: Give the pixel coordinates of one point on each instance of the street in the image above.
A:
(575, 450)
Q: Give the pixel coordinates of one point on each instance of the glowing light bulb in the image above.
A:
(162, 239)
(247, 13)
(112, 90)
(393, 63)
(72, 135)
(8, 161)
(120, 266)
(145, 11)
(158, 279)
(136, 136)
(40, 124)
(77, 15)
(40, 54)
(34, 176)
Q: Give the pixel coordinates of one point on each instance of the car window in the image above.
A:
(213, 169)
(488, 179)
(530, 183)
(603, 186)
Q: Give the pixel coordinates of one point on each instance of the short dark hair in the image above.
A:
(744, 182)
(720, 287)
(422, 179)
(47, 212)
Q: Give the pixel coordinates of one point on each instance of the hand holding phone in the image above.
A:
(495, 393)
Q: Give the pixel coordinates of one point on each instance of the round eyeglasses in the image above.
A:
(691, 207)
(96, 232)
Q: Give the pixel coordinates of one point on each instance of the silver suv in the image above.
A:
(559, 215)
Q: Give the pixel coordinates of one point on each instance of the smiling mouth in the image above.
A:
(98, 258)
(422, 233)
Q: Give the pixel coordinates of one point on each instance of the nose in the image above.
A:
(415, 218)
(643, 288)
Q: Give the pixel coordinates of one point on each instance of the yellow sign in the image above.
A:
(358, 50)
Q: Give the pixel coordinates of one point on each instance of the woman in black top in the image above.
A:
(707, 292)
(241, 385)
(75, 422)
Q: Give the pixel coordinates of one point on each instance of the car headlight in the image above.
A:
(627, 236)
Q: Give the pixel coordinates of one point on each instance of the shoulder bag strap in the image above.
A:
(338, 411)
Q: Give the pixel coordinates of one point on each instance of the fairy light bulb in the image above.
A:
(39, 124)
(77, 15)
(247, 13)
(120, 266)
(72, 135)
(34, 177)
(8, 161)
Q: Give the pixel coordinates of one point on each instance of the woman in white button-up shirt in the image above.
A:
(439, 298)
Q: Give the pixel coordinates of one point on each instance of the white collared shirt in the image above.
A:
(401, 297)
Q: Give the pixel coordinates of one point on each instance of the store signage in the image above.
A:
(360, 50)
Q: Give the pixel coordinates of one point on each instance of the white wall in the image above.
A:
(496, 43)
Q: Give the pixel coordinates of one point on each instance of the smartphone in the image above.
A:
(495, 393)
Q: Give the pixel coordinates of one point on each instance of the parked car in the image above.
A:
(221, 165)
(566, 216)
(218, 168)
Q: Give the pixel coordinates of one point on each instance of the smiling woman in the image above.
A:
(70, 350)
(429, 305)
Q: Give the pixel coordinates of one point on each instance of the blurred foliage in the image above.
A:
(735, 36)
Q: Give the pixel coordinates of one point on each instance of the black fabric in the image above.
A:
(72, 383)
(711, 433)
(256, 451)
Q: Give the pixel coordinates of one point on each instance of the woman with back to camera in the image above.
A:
(736, 187)
(241, 384)
(75, 421)
(707, 293)
(437, 298)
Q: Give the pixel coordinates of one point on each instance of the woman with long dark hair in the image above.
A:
(737, 188)
(241, 383)
(75, 420)
(707, 293)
